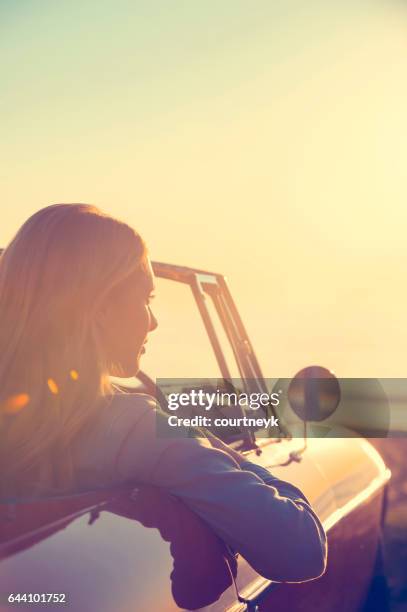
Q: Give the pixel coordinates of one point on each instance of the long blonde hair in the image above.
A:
(54, 274)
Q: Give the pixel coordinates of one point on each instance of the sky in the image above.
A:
(264, 140)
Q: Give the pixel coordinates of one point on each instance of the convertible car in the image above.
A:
(138, 549)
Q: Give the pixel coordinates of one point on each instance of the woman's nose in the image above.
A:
(153, 322)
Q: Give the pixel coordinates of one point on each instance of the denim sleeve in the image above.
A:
(267, 520)
(267, 477)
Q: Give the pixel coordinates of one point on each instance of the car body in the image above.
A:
(136, 548)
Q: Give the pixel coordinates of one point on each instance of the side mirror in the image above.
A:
(314, 393)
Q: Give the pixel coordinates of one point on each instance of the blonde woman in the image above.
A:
(75, 290)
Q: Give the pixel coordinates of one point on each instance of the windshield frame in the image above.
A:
(206, 285)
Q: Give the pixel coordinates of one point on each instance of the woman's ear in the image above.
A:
(103, 313)
(106, 328)
(100, 319)
(103, 330)
(104, 340)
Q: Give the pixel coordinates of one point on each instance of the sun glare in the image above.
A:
(15, 403)
(52, 386)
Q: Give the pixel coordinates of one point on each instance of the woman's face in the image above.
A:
(127, 321)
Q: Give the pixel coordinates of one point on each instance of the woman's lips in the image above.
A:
(143, 349)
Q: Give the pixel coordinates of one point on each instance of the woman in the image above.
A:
(75, 290)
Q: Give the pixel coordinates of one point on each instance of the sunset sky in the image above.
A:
(266, 140)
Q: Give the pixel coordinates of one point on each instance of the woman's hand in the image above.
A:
(217, 443)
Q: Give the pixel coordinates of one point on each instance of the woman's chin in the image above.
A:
(133, 371)
(126, 372)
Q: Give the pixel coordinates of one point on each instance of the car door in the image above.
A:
(133, 548)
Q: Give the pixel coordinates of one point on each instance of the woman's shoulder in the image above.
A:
(124, 416)
(123, 409)
(118, 417)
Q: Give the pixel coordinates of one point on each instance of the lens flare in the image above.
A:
(52, 386)
(15, 403)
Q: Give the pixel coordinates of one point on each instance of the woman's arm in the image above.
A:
(268, 521)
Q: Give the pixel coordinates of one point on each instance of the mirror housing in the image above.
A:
(314, 393)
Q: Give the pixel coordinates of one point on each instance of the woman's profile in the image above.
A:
(75, 291)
